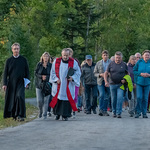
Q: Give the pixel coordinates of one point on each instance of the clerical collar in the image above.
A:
(65, 61)
(15, 56)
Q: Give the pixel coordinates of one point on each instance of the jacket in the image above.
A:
(38, 74)
(98, 70)
(87, 76)
(141, 67)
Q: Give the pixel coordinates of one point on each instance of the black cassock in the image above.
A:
(16, 69)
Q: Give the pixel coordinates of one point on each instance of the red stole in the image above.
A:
(54, 100)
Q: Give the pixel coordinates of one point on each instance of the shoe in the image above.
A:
(94, 111)
(78, 109)
(105, 113)
(20, 118)
(49, 114)
(119, 116)
(114, 115)
(110, 110)
(137, 115)
(145, 116)
(100, 113)
(88, 112)
(44, 117)
(74, 115)
(57, 117)
(148, 111)
(65, 118)
(131, 115)
(40, 115)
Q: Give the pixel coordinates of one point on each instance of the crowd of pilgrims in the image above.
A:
(106, 88)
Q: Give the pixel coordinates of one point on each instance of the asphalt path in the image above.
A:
(85, 132)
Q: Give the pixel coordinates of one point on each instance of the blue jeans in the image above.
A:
(79, 104)
(117, 98)
(142, 99)
(104, 96)
(88, 89)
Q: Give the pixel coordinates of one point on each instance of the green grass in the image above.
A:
(31, 112)
(30, 93)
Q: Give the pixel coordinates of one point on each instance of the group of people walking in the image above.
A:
(104, 84)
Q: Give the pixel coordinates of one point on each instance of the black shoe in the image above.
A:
(145, 116)
(40, 115)
(94, 111)
(57, 117)
(88, 112)
(49, 114)
(119, 116)
(100, 113)
(131, 115)
(105, 113)
(20, 118)
(78, 109)
(114, 115)
(65, 118)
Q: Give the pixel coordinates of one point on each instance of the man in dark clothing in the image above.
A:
(90, 83)
(117, 70)
(16, 70)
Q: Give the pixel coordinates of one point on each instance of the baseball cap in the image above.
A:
(88, 57)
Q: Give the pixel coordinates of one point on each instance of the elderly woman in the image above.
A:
(42, 74)
(142, 78)
(132, 101)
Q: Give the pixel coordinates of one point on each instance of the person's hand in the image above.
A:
(27, 86)
(147, 75)
(70, 78)
(101, 75)
(4, 87)
(58, 81)
(43, 77)
(106, 84)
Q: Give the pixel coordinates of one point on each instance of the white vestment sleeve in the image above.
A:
(53, 77)
(77, 74)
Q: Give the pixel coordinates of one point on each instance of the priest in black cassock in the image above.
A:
(16, 70)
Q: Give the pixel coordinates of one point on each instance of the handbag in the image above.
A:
(46, 88)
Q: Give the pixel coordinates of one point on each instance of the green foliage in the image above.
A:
(87, 26)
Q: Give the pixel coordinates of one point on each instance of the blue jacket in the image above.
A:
(141, 67)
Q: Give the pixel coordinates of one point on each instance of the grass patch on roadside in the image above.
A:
(31, 112)
(30, 93)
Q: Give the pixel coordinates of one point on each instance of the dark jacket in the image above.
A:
(130, 71)
(87, 76)
(38, 74)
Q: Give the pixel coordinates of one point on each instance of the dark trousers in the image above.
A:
(91, 89)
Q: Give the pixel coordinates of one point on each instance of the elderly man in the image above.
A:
(16, 69)
(117, 70)
(63, 87)
(100, 68)
(90, 83)
(137, 56)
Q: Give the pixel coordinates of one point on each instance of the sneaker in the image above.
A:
(49, 114)
(57, 117)
(105, 113)
(100, 113)
(94, 111)
(137, 115)
(145, 116)
(78, 109)
(119, 116)
(88, 112)
(131, 115)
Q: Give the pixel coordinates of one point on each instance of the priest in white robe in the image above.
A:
(63, 89)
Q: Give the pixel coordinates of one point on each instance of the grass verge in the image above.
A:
(31, 112)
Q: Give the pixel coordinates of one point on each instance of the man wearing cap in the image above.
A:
(90, 83)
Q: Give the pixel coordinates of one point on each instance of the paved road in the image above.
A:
(86, 132)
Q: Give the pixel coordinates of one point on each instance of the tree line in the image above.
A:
(87, 26)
